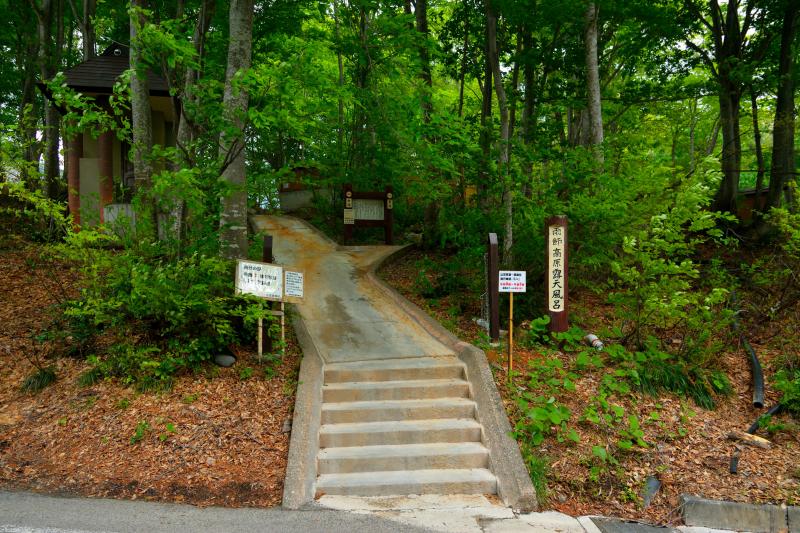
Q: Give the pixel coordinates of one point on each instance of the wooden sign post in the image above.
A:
(369, 210)
(264, 280)
(511, 281)
(557, 273)
(492, 294)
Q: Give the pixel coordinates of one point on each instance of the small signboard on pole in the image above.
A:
(266, 281)
(259, 279)
(293, 286)
(511, 281)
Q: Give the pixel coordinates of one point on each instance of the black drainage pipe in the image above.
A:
(755, 365)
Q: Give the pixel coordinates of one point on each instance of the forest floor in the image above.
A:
(688, 450)
(219, 437)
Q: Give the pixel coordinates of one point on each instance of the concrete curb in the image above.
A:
(301, 466)
(737, 516)
(514, 482)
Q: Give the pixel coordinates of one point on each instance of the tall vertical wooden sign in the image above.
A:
(556, 280)
(492, 292)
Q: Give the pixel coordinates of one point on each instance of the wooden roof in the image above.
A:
(98, 74)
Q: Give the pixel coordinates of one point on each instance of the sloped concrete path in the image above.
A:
(347, 317)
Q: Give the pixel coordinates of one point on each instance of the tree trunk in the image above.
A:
(782, 168)
(185, 133)
(141, 123)
(728, 52)
(233, 219)
(486, 128)
(45, 12)
(595, 115)
(759, 151)
(725, 199)
(494, 60)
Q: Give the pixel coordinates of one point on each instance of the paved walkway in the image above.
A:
(348, 318)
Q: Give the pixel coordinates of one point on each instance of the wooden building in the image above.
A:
(99, 171)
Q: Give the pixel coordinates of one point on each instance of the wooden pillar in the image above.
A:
(388, 215)
(74, 154)
(348, 207)
(105, 145)
(492, 289)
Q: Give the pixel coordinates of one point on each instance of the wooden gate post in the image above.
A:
(493, 293)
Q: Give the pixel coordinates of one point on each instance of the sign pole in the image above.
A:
(511, 281)
(266, 257)
(510, 334)
(283, 327)
(260, 336)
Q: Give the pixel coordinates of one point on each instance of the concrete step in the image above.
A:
(385, 410)
(405, 432)
(446, 367)
(463, 455)
(456, 481)
(395, 390)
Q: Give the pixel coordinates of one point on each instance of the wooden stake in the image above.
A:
(260, 338)
(283, 327)
(510, 334)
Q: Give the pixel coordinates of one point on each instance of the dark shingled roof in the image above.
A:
(98, 74)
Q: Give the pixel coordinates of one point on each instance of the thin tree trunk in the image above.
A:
(494, 60)
(463, 73)
(486, 128)
(595, 117)
(759, 151)
(185, 132)
(340, 64)
(233, 219)
(783, 167)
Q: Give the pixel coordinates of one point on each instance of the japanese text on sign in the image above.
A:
(512, 281)
(368, 209)
(555, 269)
(294, 284)
(259, 279)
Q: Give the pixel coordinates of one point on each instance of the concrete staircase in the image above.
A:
(400, 426)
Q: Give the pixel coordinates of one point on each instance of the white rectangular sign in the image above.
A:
(512, 281)
(368, 209)
(260, 279)
(349, 216)
(555, 270)
(294, 284)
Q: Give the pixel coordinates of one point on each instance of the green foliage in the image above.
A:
(167, 317)
(787, 381)
(659, 286)
(541, 414)
(654, 371)
(142, 429)
(40, 379)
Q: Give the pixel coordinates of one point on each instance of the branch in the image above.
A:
(75, 13)
(703, 55)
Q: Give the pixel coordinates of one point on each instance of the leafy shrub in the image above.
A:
(165, 317)
(659, 285)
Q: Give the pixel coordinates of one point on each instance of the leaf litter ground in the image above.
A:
(213, 439)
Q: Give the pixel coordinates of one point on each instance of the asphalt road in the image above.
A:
(25, 512)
